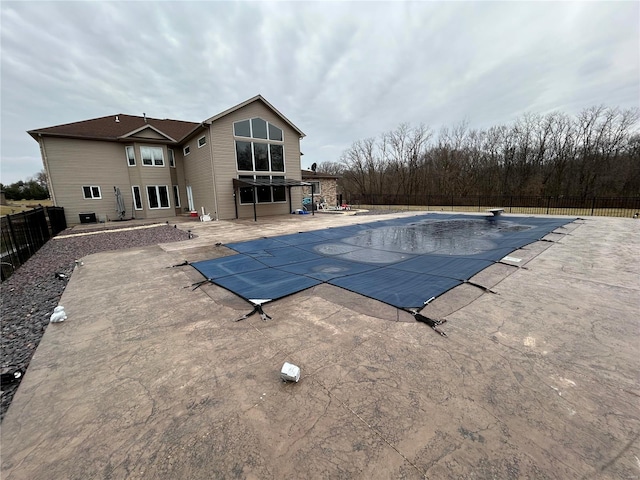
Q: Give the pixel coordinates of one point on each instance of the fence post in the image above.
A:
(548, 203)
(31, 240)
(13, 237)
(593, 205)
(13, 240)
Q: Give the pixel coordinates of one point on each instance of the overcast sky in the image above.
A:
(339, 71)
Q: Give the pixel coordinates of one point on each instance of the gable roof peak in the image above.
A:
(249, 101)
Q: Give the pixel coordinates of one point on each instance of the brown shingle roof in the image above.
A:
(106, 128)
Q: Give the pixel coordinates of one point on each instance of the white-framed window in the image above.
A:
(259, 157)
(262, 155)
(158, 196)
(172, 158)
(202, 141)
(131, 155)
(91, 192)
(152, 156)
(315, 187)
(137, 197)
(176, 196)
(186, 150)
(264, 194)
(257, 128)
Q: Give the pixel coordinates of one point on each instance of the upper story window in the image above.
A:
(261, 155)
(257, 128)
(202, 141)
(131, 155)
(152, 156)
(172, 158)
(91, 192)
(275, 133)
(186, 150)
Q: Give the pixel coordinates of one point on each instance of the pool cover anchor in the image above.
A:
(429, 321)
(257, 308)
(482, 287)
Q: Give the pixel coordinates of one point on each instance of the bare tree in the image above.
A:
(597, 152)
(331, 168)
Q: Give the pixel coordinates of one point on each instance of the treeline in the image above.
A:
(595, 153)
(33, 189)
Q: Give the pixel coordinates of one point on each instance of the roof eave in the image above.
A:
(36, 135)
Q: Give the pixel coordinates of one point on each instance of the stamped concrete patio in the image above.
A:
(150, 379)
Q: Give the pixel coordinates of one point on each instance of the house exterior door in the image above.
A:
(190, 198)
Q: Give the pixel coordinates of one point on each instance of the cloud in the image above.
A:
(341, 71)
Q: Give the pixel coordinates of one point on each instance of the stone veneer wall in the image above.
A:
(328, 189)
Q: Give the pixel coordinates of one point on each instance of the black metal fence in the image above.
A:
(599, 206)
(22, 235)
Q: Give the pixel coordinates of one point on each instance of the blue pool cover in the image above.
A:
(403, 262)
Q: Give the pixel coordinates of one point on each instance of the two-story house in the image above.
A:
(239, 163)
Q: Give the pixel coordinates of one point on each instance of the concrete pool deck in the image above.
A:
(150, 379)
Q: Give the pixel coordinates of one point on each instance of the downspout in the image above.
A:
(213, 174)
(45, 161)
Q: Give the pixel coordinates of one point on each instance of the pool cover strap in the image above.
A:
(199, 284)
(429, 321)
(257, 308)
(183, 264)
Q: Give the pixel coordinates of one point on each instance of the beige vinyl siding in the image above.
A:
(74, 163)
(135, 178)
(198, 174)
(148, 133)
(224, 160)
(178, 171)
(147, 175)
(174, 181)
